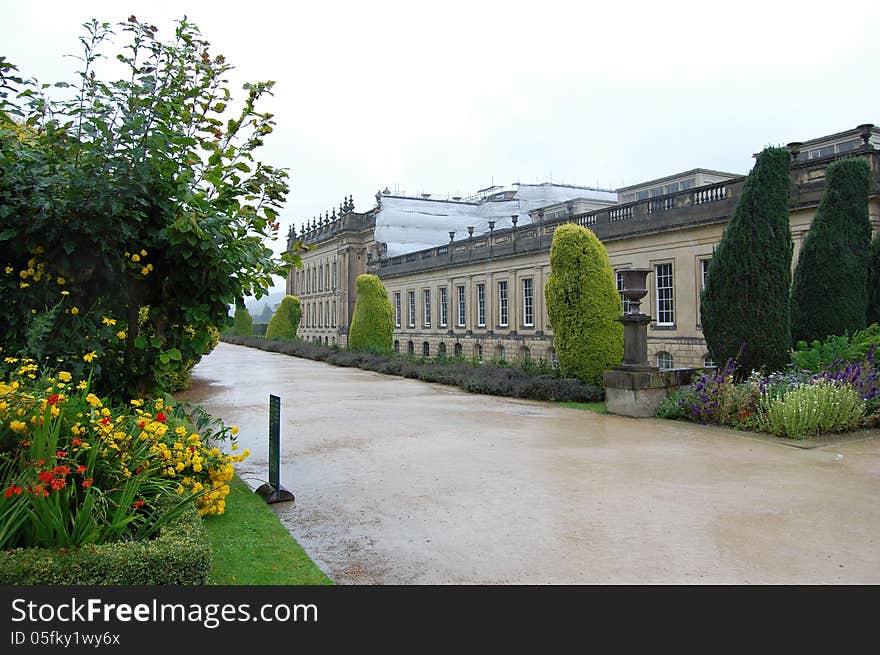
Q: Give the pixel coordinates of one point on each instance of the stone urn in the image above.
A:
(635, 287)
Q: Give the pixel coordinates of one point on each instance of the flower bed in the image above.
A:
(797, 403)
(76, 472)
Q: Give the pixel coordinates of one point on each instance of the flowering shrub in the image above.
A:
(823, 406)
(74, 470)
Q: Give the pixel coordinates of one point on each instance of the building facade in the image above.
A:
(482, 295)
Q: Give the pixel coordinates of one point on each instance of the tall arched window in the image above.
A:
(664, 360)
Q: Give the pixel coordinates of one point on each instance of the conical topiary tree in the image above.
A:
(372, 326)
(285, 320)
(873, 314)
(829, 295)
(583, 304)
(242, 323)
(746, 298)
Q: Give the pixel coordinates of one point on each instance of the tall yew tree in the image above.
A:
(874, 283)
(829, 295)
(133, 210)
(746, 299)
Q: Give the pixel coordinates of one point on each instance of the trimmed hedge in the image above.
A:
(242, 323)
(583, 304)
(747, 294)
(285, 320)
(874, 283)
(180, 555)
(829, 295)
(483, 378)
(372, 325)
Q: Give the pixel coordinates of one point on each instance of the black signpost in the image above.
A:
(272, 491)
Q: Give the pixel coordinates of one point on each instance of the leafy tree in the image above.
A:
(285, 321)
(142, 191)
(242, 323)
(874, 283)
(372, 326)
(583, 304)
(829, 296)
(746, 299)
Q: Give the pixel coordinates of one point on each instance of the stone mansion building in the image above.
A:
(466, 276)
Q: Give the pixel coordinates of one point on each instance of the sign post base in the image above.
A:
(274, 495)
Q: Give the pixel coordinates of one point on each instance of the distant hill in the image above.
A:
(257, 308)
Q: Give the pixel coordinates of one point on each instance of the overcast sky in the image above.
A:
(450, 97)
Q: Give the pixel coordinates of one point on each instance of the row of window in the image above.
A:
(498, 353)
(318, 314)
(664, 288)
(528, 305)
(315, 278)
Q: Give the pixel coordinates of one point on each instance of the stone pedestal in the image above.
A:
(638, 393)
(635, 342)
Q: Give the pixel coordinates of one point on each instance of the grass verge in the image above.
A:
(251, 547)
(599, 408)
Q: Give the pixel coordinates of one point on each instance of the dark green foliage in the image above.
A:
(821, 354)
(120, 193)
(583, 304)
(285, 321)
(243, 324)
(829, 295)
(518, 381)
(372, 325)
(874, 283)
(746, 299)
(179, 556)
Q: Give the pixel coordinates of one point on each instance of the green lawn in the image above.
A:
(599, 408)
(251, 546)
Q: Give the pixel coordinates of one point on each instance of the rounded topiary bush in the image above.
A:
(583, 304)
(242, 323)
(285, 320)
(372, 326)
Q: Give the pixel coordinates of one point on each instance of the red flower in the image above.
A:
(40, 462)
(46, 477)
(141, 425)
(61, 470)
(53, 399)
(12, 489)
(59, 483)
(80, 469)
(105, 420)
(138, 503)
(87, 483)
(25, 443)
(76, 442)
(160, 416)
(192, 449)
(61, 453)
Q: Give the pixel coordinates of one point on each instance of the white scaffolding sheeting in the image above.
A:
(407, 224)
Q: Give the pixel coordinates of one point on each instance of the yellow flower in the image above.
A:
(39, 250)
(82, 385)
(121, 335)
(234, 429)
(9, 270)
(93, 400)
(143, 253)
(135, 258)
(64, 376)
(136, 403)
(23, 285)
(74, 310)
(109, 322)
(144, 271)
(55, 411)
(17, 426)
(65, 293)
(90, 357)
(61, 280)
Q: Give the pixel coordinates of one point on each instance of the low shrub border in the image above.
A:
(180, 555)
(486, 378)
